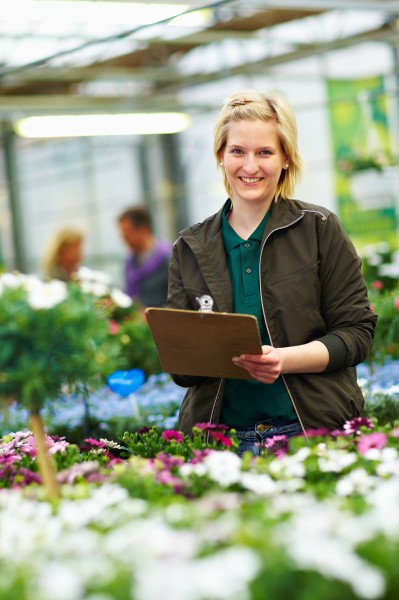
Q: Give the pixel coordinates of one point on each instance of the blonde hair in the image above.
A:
(63, 237)
(252, 105)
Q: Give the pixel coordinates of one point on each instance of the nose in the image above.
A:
(251, 164)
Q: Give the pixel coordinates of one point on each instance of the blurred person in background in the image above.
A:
(147, 265)
(63, 255)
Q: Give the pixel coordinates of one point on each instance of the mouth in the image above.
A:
(251, 179)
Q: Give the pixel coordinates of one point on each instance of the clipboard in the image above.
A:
(203, 343)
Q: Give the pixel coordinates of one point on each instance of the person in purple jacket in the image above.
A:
(147, 265)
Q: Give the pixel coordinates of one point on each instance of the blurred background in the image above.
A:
(108, 104)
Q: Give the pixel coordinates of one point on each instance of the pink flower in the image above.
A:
(214, 426)
(354, 425)
(377, 284)
(321, 431)
(170, 434)
(220, 438)
(273, 441)
(113, 327)
(396, 303)
(372, 440)
(91, 445)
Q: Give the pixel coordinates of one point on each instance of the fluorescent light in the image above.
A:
(86, 17)
(55, 126)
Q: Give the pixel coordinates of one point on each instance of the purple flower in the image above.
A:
(372, 440)
(170, 434)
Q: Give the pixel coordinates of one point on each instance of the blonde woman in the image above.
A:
(285, 261)
(63, 255)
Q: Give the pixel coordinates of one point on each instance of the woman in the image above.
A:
(291, 265)
(63, 256)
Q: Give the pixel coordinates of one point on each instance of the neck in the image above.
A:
(146, 246)
(244, 221)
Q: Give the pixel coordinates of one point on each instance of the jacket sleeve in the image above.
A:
(179, 299)
(345, 304)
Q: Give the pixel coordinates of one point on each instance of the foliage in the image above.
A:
(148, 442)
(380, 265)
(127, 324)
(136, 343)
(386, 338)
(51, 335)
(356, 162)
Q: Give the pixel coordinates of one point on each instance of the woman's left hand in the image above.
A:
(312, 357)
(265, 367)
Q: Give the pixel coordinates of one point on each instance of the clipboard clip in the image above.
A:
(205, 302)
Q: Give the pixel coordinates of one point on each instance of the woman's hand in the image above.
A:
(273, 362)
(265, 367)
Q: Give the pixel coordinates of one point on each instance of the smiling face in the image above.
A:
(253, 160)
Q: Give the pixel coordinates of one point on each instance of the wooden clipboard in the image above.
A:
(203, 343)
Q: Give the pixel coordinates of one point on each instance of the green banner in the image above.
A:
(366, 198)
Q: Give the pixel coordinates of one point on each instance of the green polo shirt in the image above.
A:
(246, 402)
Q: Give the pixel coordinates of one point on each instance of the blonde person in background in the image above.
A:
(63, 255)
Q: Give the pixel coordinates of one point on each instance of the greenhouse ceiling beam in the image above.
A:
(390, 6)
(165, 75)
(164, 97)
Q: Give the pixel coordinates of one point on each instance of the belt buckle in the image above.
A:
(262, 427)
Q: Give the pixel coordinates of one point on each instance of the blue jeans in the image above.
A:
(252, 438)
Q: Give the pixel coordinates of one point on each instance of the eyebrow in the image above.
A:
(240, 147)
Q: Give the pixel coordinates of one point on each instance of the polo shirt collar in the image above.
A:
(231, 239)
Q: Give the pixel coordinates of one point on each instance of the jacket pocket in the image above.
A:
(297, 288)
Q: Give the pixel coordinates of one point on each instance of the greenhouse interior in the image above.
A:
(199, 300)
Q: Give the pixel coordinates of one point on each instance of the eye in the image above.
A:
(236, 151)
(265, 152)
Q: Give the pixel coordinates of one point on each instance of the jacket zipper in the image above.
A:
(264, 314)
(267, 326)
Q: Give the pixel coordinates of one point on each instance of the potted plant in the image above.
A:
(51, 335)
(373, 178)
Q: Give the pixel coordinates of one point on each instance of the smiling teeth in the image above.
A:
(250, 179)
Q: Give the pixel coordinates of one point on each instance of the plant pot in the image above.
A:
(374, 189)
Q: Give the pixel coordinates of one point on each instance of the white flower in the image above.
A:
(357, 481)
(44, 295)
(120, 298)
(11, 280)
(95, 288)
(221, 576)
(335, 461)
(315, 538)
(260, 484)
(86, 274)
(223, 467)
(58, 581)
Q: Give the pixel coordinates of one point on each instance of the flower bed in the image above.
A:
(195, 521)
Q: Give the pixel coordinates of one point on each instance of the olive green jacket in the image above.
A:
(311, 287)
